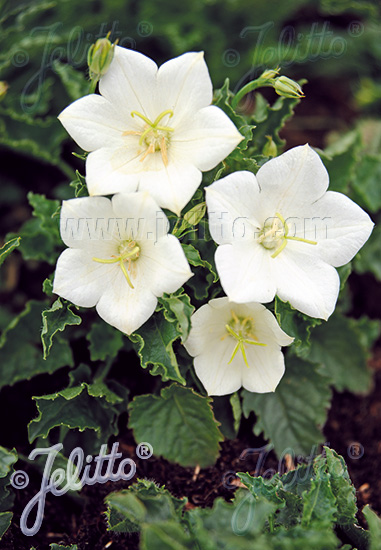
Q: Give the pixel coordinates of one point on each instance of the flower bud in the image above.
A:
(269, 74)
(270, 148)
(286, 87)
(195, 214)
(99, 57)
(3, 89)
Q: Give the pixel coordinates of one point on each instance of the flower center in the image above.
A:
(242, 330)
(129, 251)
(274, 235)
(155, 136)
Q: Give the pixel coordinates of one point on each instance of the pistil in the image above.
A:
(241, 328)
(129, 251)
(275, 235)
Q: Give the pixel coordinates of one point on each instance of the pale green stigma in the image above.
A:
(154, 135)
(274, 235)
(242, 330)
(129, 252)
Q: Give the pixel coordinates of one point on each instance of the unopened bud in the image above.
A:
(286, 87)
(270, 148)
(3, 89)
(195, 214)
(269, 74)
(99, 57)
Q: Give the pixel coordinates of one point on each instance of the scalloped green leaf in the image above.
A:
(154, 344)
(105, 341)
(7, 460)
(179, 424)
(374, 523)
(336, 346)
(178, 309)
(56, 319)
(5, 522)
(292, 416)
(7, 248)
(21, 351)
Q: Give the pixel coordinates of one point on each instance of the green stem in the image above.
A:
(93, 85)
(253, 85)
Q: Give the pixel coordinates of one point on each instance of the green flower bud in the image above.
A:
(286, 87)
(270, 148)
(3, 89)
(195, 214)
(99, 57)
(269, 74)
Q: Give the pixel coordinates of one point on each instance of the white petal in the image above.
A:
(208, 325)
(267, 329)
(81, 280)
(206, 139)
(339, 226)
(213, 368)
(292, 181)
(309, 284)
(266, 368)
(162, 265)
(89, 223)
(173, 186)
(93, 122)
(125, 308)
(129, 83)
(245, 272)
(111, 171)
(183, 85)
(234, 208)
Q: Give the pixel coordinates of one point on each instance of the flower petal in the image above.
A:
(111, 171)
(81, 280)
(208, 324)
(183, 85)
(292, 181)
(125, 308)
(234, 208)
(245, 272)
(206, 139)
(339, 226)
(129, 83)
(93, 122)
(266, 368)
(309, 284)
(173, 186)
(89, 223)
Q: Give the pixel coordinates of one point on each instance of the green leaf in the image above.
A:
(319, 504)
(297, 325)
(340, 159)
(342, 488)
(55, 546)
(74, 81)
(369, 257)
(336, 346)
(154, 344)
(292, 416)
(86, 406)
(168, 534)
(21, 351)
(266, 488)
(55, 319)
(374, 523)
(366, 182)
(194, 258)
(7, 460)
(79, 184)
(179, 425)
(105, 341)
(7, 248)
(143, 502)
(5, 521)
(178, 309)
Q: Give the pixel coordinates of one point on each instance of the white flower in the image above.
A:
(236, 345)
(151, 129)
(120, 257)
(282, 233)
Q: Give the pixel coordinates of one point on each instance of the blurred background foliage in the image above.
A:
(334, 44)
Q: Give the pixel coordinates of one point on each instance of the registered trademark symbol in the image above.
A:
(356, 28)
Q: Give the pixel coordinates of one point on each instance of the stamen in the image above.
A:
(163, 149)
(125, 273)
(301, 240)
(129, 256)
(242, 335)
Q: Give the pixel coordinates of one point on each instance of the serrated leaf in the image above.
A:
(297, 325)
(55, 546)
(266, 488)
(369, 257)
(143, 502)
(336, 346)
(105, 341)
(5, 521)
(179, 424)
(178, 309)
(7, 460)
(154, 344)
(319, 505)
(169, 535)
(342, 488)
(7, 248)
(374, 523)
(292, 416)
(194, 258)
(21, 351)
(56, 319)
(75, 407)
